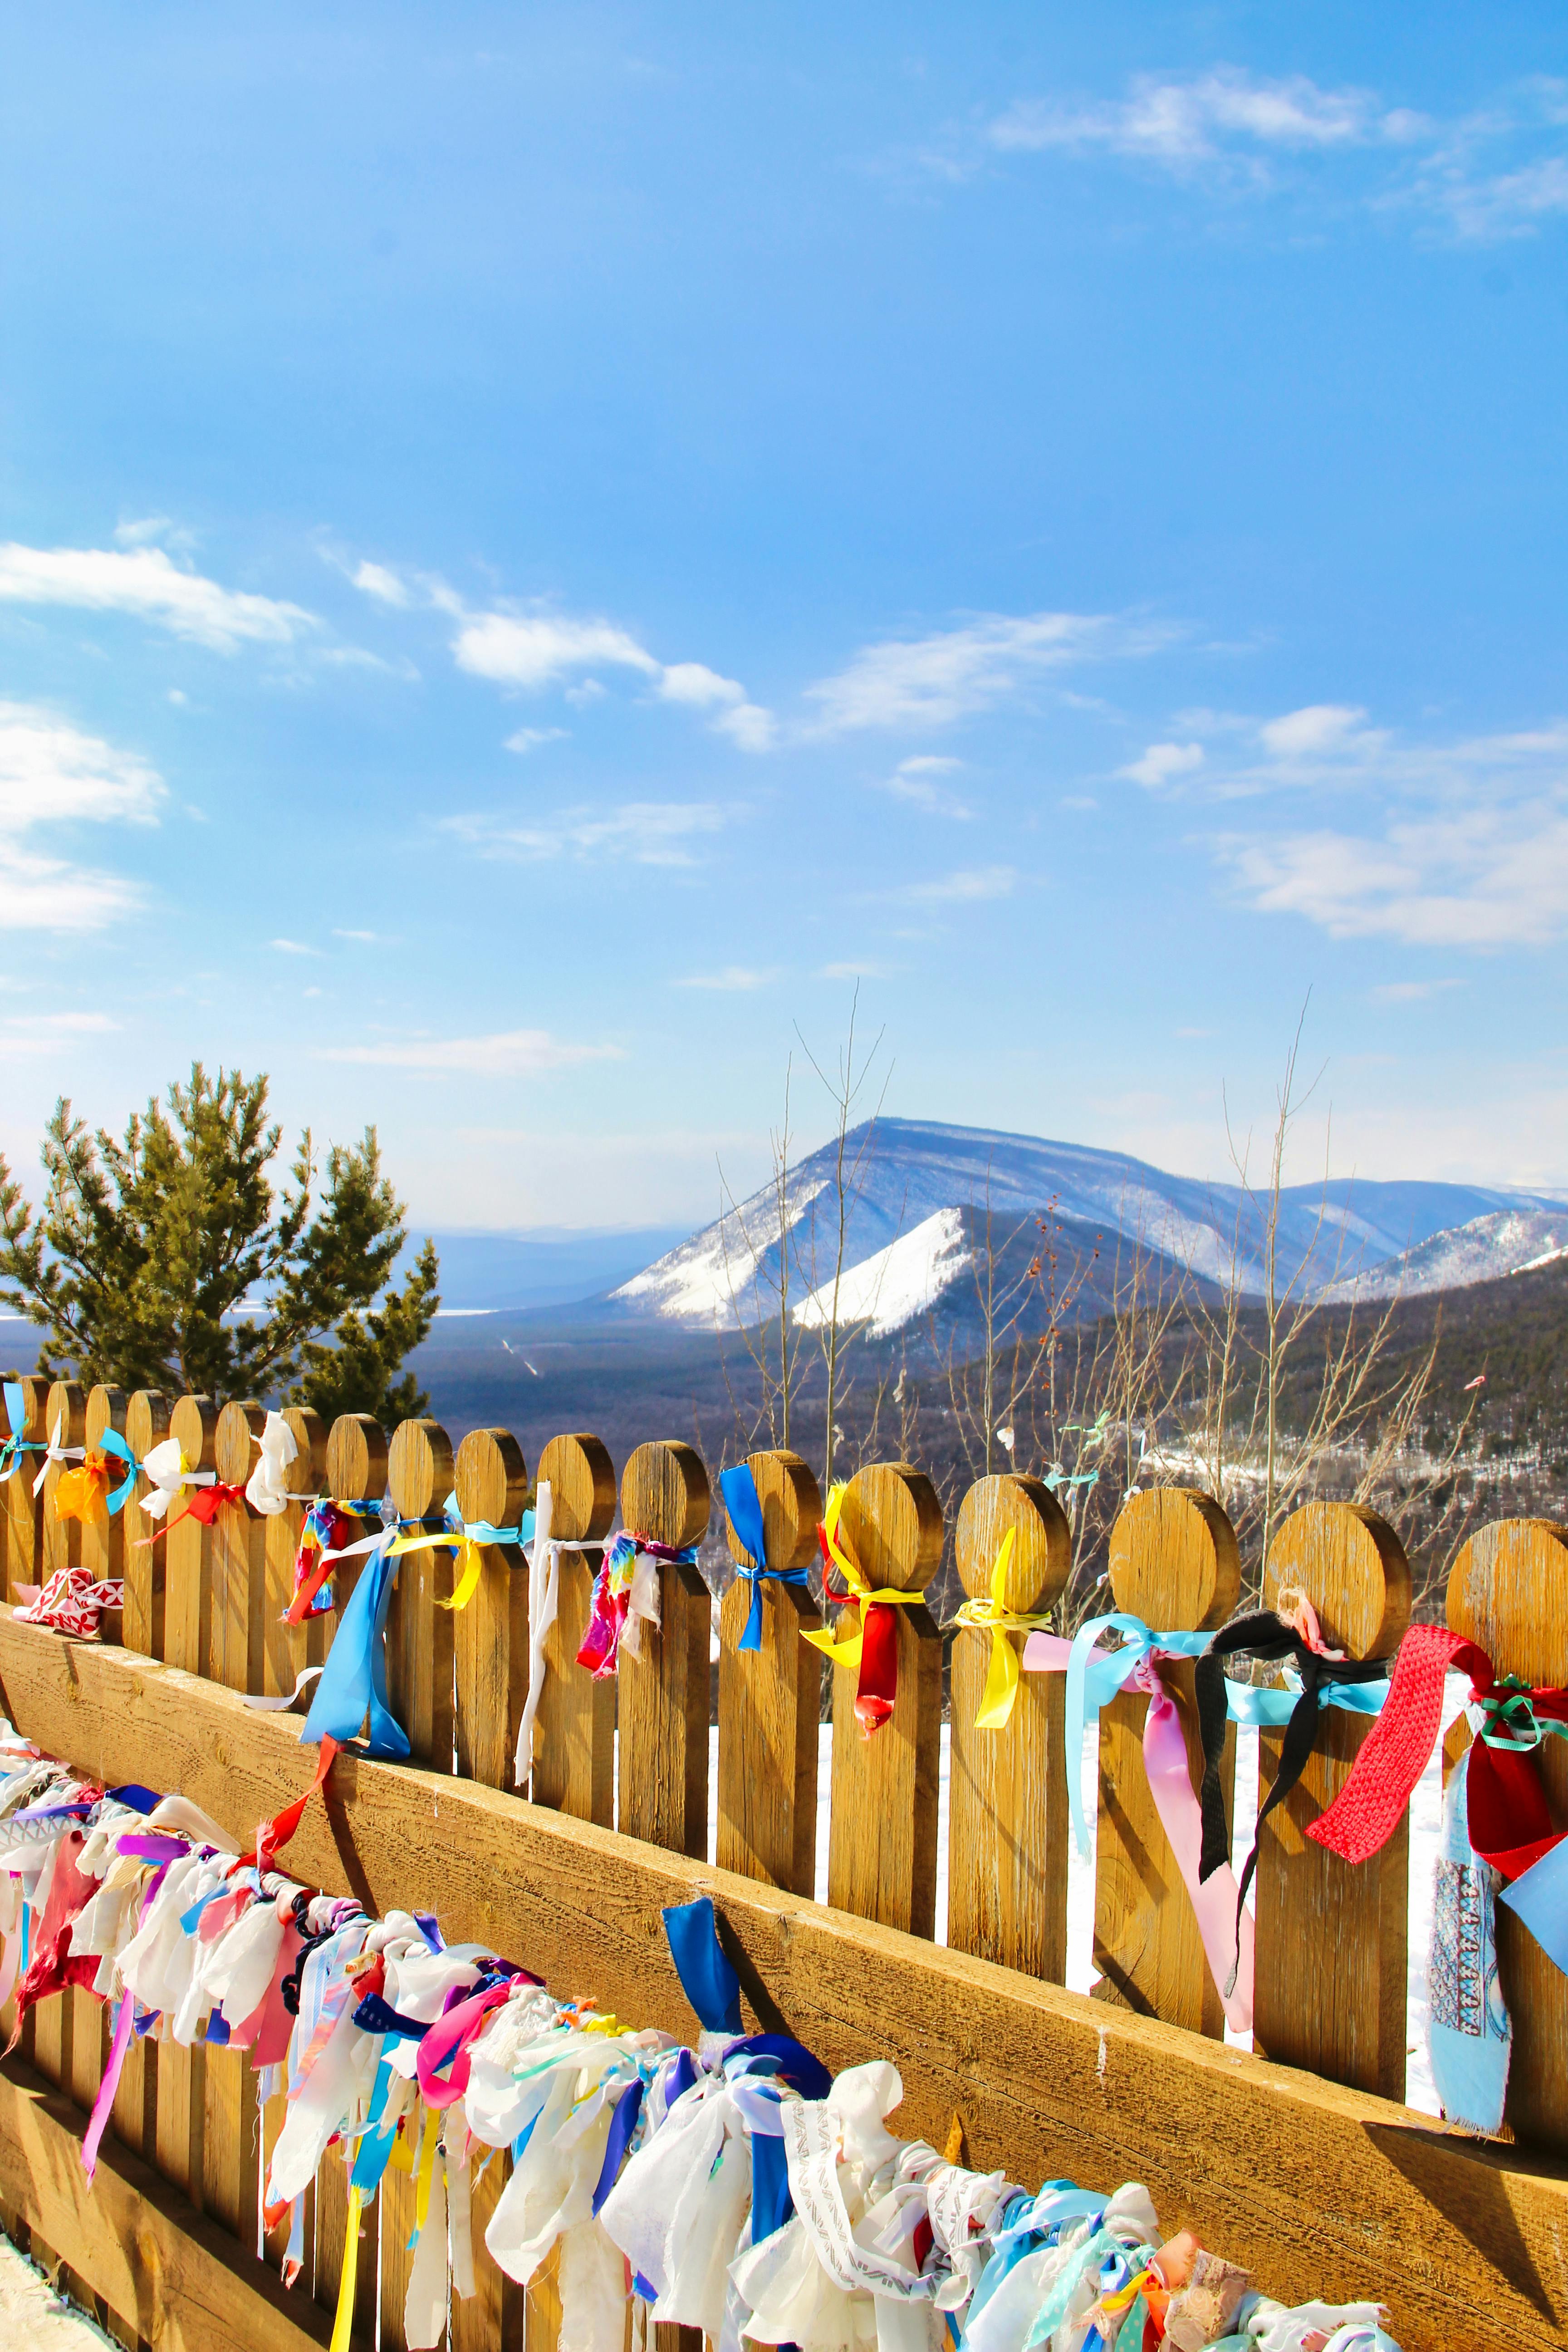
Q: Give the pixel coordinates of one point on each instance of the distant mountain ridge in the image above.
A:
(925, 1190)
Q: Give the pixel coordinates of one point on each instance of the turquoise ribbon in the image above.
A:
(112, 1442)
(352, 1682)
(482, 1531)
(15, 1445)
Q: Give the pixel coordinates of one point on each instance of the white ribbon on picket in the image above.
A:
(266, 1488)
(55, 1452)
(548, 1548)
(169, 1471)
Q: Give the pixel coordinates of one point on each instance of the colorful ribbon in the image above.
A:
(871, 1651)
(353, 1681)
(992, 1614)
(625, 1599)
(15, 1444)
(744, 1505)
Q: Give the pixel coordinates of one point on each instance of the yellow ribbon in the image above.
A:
(847, 1652)
(80, 1492)
(342, 2322)
(472, 1563)
(427, 2171)
(994, 1615)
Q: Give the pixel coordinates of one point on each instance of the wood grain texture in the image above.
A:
(574, 1765)
(882, 1825)
(102, 1537)
(1319, 2189)
(357, 1457)
(180, 2283)
(419, 1643)
(768, 1700)
(21, 1516)
(663, 1691)
(1174, 1564)
(285, 1649)
(1331, 1935)
(65, 1411)
(490, 1636)
(1507, 1590)
(146, 1425)
(1008, 1812)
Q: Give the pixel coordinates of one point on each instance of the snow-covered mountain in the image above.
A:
(1508, 1241)
(917, 1195)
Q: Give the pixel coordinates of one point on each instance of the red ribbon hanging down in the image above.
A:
(877, 1684)
(1510, 1824)
(274, 1835)
(203, 1506)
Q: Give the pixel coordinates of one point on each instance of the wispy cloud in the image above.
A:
(917, 781)
(933, 680)
(509, 1054)
(734, 979)
(531, 739)
(646, 833)
(45, 1033)
(293, 948)
(53, 774)
(1182, 120)
(142, 581)
(964, 887)
(1160, 761)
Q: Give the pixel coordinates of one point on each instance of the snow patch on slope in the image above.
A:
(727, 1274)
(1508, 1241)
(889, 1288)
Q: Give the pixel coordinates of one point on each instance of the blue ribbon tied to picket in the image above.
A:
(15, 1444)
(744, 1505)
(353, 1683)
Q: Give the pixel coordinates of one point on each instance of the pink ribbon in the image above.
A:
(448, 2039)
(99, 2119)
(1213, 1901)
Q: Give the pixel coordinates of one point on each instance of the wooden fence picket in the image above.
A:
(1331, 1976)
(1173, 1564)
(146, 1425)
(285, 1648)
(1008, 1826)
(663, 1692)
(64, 1414)
(22, 1511)
(491, 1631)
(1507, 1591)
(102, 1536)
(882, 1825)
(573, 1759)
(768, 1700)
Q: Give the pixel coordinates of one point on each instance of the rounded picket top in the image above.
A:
(1041, 1558)
(356, 1458)
(582, 1481)
(106, 1409)
(491, 1478)
(193, 1424)
(419, 1468)
(65, 1409)
(147, 1417)
(1507, 1590)
(892, 1523)
(664, 1493)
(234, 1455)
(34, 1397)
(1351, 1566)
(1174, 1562)
(309, 1468)
(792, 1509)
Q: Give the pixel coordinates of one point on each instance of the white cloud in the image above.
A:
(695, 683)
(647, 833)
(529, 738)
(966, 886)
(293, 948)
(369, 938)
(511, 1053)
(538, 650)
(1180, 121)
(379, 580)
(933, 680)
(732, 979)
(748, 726)
(915, 781)
(51, 771)
(1409, 991)
(1482, 877)
(1160, 761)
(42, 894)
(144, 581)
(1320, 727)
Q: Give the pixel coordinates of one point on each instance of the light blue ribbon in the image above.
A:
(1064, 2286)
(15, 1445)
(481, 1531)
(112, 1442)
(744, 1505)
(352, 1682)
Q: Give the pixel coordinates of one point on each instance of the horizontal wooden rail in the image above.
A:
(183, 2282)
(1318, 2189)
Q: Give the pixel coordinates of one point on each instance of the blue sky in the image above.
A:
(540, 542)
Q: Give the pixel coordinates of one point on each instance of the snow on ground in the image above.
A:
(898, 1283)
(31, 2316)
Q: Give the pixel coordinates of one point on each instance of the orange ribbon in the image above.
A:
(80, 1492)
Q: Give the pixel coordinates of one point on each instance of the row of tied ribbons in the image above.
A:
(735, 2186)
(1498, 1828)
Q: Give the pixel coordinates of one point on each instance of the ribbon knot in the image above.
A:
(625, 1599)
(744, 1505)
(55, 1452)
(990, 1614)
(15, 1444)
(871, 1651)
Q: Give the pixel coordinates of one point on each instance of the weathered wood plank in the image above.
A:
(182, 2283)
(1317, 2188)
(1007, 1820)
(419, 1641)
(490, 1637)
(574, 1760)
(146, 1425)
(663, 1690)
(768, 1698)
(285, 1649)
(1331, 1974)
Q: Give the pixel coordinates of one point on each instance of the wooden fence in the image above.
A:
(1300, 2161)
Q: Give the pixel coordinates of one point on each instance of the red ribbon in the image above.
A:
(876, 1690)
(1510, 1825)
(203, 1506)
(274, 1835)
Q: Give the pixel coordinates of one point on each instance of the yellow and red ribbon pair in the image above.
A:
(871, 1650)
(992, 1614)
